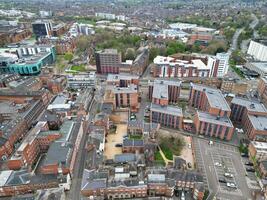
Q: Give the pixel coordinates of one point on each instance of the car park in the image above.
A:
(218, 164)
(244, 155)
(222, 180)
(250, 169)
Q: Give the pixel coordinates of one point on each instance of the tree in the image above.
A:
(68, 56)
(130, 54)
(83, 43)
(153, 53)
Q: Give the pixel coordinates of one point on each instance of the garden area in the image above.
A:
(79, 68)
(171, 146)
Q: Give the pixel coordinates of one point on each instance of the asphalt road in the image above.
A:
(207, 155)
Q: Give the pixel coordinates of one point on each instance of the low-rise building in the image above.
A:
(262, 89)
(234, 86)
(132, 146)
(122, 80)
(80, 81)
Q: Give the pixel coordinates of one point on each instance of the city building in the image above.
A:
(258, 50)
(141, 61)
(168, 116)
(123, 97)
(209, 100)
(133, 146)
(223, 64)
(80, 81)
(213, 125)
(108, 61)
(42, 28)
(122, 80)
(185, 66)
(13, 35)
(234, 86)
(258, 150)
(164, 92)
(258, 67)
(262, 89)
(56, 84)
(200, 37)
(29, 60)
(252, 115)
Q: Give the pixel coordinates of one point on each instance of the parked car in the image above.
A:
(249, 163)
(222, 180)
(250, 169)
(228, 175)
(118, 145)
(218, 164)
(231, 185)
(244, 155)
(189, 165)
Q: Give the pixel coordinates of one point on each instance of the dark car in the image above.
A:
(118, 145)
(250, 169)
(249, 163)
(244, 155)
(222, 180)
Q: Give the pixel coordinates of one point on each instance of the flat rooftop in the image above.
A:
(171, 110)
(206, 117)
(251, 105)
(115, 77)
(259, 145)
(215, 97)
(130, 89)
(108, 51)
(258, 122)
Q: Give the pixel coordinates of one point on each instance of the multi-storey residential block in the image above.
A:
(252, 115)
(262, 89)
(258, 150)
(108, 61)
(223, 64)
(122, 97)
(192, 66)
(122, 80)
(209, 99)
(168, 116)
(234, 86)
(213, 125)
(13, 35)
(164, 92)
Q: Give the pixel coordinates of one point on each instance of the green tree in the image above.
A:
(130, 54)
(153, 52)
(83, 43)
(68, 56)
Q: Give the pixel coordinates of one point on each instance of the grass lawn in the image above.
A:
(158, 159)
(80, 68)
(171, 146)
(167, 151)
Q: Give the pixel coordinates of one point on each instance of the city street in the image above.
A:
(229, 157)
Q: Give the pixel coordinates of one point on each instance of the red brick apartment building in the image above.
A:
(122, 97)
(17, 118)
(108, 61)
(164, 92)
(213, 125)
(168, 116)
(122, 80)
(13, 35)
(208, 99)
(252, 115)
(262, 89)
(213, 118)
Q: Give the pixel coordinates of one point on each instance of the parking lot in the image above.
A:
(214, 161)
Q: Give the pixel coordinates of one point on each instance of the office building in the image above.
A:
(258, 50)
(42, 28)
(80, 81)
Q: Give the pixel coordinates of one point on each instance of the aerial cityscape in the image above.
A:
(133, 99)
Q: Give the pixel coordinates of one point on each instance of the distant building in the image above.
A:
(81, 81)
(258, 67)
(42, 28)
(258, 50)
(262, 89)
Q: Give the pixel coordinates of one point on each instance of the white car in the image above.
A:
(210, 142)
(189, 146)
(218, 164)
(231, 185)
(228, 175)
